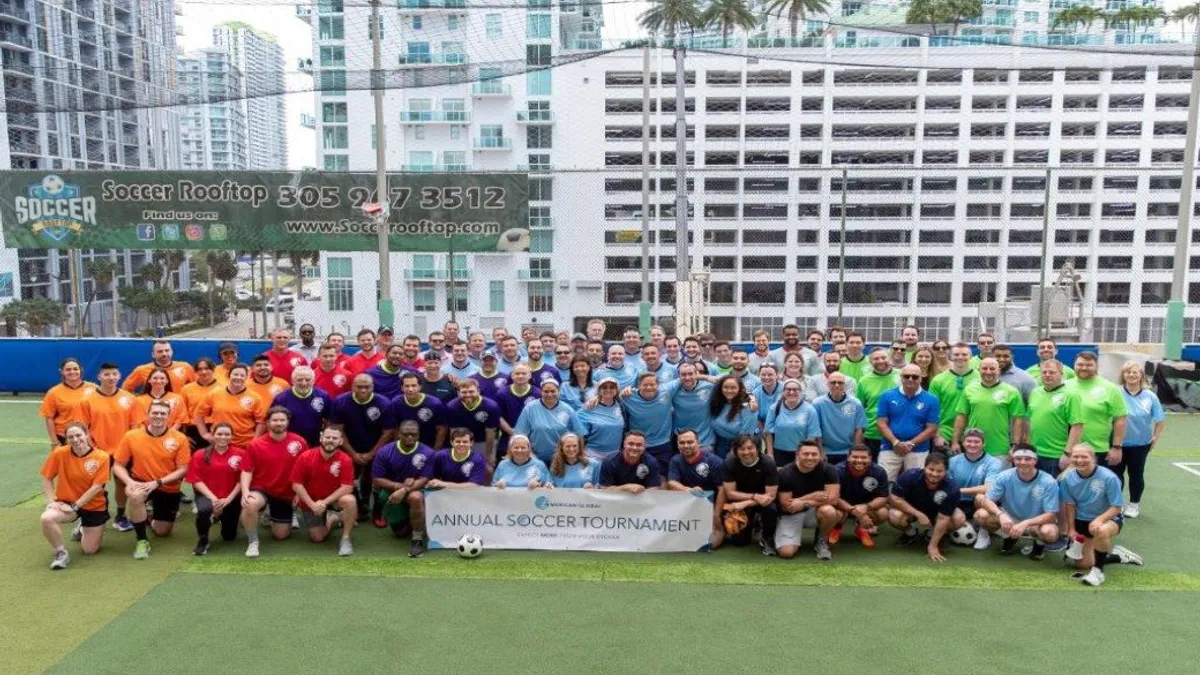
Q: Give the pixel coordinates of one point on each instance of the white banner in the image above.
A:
(570, 520)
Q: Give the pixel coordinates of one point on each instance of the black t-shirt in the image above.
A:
(795, 481)
(751, 479)
(442, 390)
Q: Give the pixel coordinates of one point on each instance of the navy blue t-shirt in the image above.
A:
(363, 423)
(616, 471)
(942, 499)
(862, 489)
(707, 473)
(429, 414)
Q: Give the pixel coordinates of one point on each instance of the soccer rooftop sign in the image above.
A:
(262, 210)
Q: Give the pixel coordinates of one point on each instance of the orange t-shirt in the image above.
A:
(267, 392)
(74, 475)
(242, 411)
(108, 417)
(152, 457)
(221, 373)
(178, 416)
(179, 372)
(65, 404)
(193, 395)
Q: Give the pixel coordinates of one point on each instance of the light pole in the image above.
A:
(386, 311)
(1176, 306)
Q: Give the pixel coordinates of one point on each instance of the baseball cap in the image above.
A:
(977, 433)
(386, 329)
(578, 336)
(226, 347)
(608, 380)
(487, 355)
(433, 356)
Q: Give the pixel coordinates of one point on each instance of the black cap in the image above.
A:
(226, 347)
(386, 329)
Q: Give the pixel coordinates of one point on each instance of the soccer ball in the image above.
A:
(470, 545)
(963, 536)
(513, 240)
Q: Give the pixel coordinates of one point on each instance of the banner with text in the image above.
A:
(570, 520)
(262, 210)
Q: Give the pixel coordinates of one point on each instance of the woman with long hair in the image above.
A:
(1143, 425)
(927, 362)
(733, 413)
(63, 402)
(577, 388)
(571, 467)
(941, 355)
(158, 388)
(73, 480)
(603, 421)
(215, 476)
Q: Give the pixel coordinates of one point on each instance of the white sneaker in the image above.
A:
(1075, 550)
(252, 550)
(1093, 578)
(295, 522)
(1127, 557)
(1131, 510)
(345, 548)
(983, 539)
(61, 560)
(333, 520)
(77, 532)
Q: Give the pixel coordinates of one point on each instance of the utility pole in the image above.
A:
(75, 265)
(842, 249)
(682, 266)
(386, 311)
(1043, 320)
(1176, 306)
(644, 313)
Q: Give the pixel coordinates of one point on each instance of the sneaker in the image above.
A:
(1093, 578)
(907, 537)
(1038, 552)
(185, 498)
(1078, 574)
(201, 548)
(123, 524)
(77, 532)
(835, 535)
(864, 537)
(379, 522)
(1126, 557)
(345, 548)
(1026, 547)
(768, 549)
(1060, 545)
(252, 550)
(333, 519)
(983, 539)
(1075, 551)
(295, 522)
(417, 548)
(142, 550)
(822, 549)
(61, 560)
(1131, 510)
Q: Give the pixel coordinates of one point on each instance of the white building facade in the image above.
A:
(213, 134)
(257, 56)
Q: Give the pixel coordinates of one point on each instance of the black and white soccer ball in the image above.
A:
(470, 545)
(514, 240)
(964, 536)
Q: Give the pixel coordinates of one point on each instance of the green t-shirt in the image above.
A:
(1100, 403)
(1036, 373)
(948, 387)
(1051, 415)
(855, 369)
(992, 410)
(871, 386)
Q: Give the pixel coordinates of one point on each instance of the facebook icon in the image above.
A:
(145, 231)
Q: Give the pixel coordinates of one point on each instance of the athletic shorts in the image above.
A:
(791, 527)
(278, 510)
(310, 520)
(1048, 465)
(95, 518)
(835, 458)
(395, 514)
(1081, 526)
(165, 505)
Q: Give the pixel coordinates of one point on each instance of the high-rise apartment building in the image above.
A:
(259, 58)
(213, 131)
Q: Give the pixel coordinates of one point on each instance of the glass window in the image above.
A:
(418, 22)
(541, 295)
(494, 28)
(340, 274)
(337, 162)
(331, 28)
(456, 297)
(335, 137)
(496, 296)
(537, 83)
(537, 26)
(333, 56)
(423, 298)
(452, 22)
(333, 113)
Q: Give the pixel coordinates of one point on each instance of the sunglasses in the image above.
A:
(562, 353)
(897, 349)
(941, 349)
(910, 377)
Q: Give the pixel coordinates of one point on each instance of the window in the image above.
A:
(937, 237)
(869, 292)
(974, 263)
(337, 162)
(453, 22)
(331, 28)
(752, 324)
(876, 328)
(983, 237)
(763, 237)
(1152, 330)
(537, 83)
(541, 241)
(1160, 263)
(764, 292)
(933, 293)
(541, 189)
(1112, 293)
(541, 295)
(335, 138)
(1110, 329)
(333, 83)
(537, 26)
(538, 137)
(975, 292)
(418, 22)
(493, 26)
(333, 113)
(340, 274)
(456, 297)
(334, 57)
(806, 293)
(935, 263)
(1156, 292)
(423, 297)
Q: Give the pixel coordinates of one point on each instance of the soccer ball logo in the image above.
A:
(848, 410)
(335, 469)
(642, 471)
(373, 414)
(481, 417)
(424, 414)
(500, 383)
(317, 404)
(178, 371)
(418, 461)
(339, 379)
(1059, 399)
(467, 467)
(939, 496)
(702, 469)
(869, 483)
(563, 417)
(275, 389)
(235, 462)
(295, 362)
(293, 448)
(1037, 492)
(53, 184)
(171, 444)
(470, 545)
(91, 466)
(246, 402)
(126, 401)
(1096, 487)
(920, 405)
(999, 397)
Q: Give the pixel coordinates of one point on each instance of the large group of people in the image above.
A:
(938, 441)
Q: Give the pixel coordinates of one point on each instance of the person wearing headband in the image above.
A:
(1021, 502)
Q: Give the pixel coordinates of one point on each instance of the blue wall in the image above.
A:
(32, 363)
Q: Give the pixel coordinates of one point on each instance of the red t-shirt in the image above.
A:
(321, 477)
(341, 360)
(283, 364)
(271, 463)
(335, 382)
(221, 473)
(360, 364)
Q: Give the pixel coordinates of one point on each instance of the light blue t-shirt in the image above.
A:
(625, 375)
(750, 381)
(544, 426)
(970, 474)
(634, 361)
(665, 373)
(816, 386)
(691, 410)
(1093, 495)
(570, 395)
(651, 417)
(461, 373)
(792, 426)
(767, 400)
(745, 422)
(1145, 410)
(1024, 499)
(518, 475)
(839, 421)
(603, 427)
(505, 367)
(578, 475)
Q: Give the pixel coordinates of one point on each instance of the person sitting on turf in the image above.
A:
(1021, 501)
(215, 475)
(808, 491)
(459, 466)
(863, 496)
(520, 469)
(926, 498)
(151, 462)
(630, 470)
(751, 484)
(697, 471)
(267, 479)
(323, 480)
(73, 480)
(1091, 497)
(399, 471)
(973, 471)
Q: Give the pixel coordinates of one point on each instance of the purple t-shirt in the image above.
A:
(491, 385)
(548, 371)
(308, 414)
(363, 423)
(511, 405)
(388, 384)
(471, 470)
(429, 414)
(485, 415)
(393, 464)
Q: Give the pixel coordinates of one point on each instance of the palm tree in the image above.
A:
(1185, 14)
(728, 15)
(1079, 15)
(961, 11)
(151, 274)
(670, 17)
(171, 260)
(795, 11)
(1144, 16)
(930, 12)
(102, 271)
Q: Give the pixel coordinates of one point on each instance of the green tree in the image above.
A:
(161, 303)
(935, 12)
(133, 298)
(670, 17)
(171, 261)
(728, 15)
(152, 274)
(1143, 16)
(35, 313)
(795, 11)
(1079, 15)
(1185, 15)
(102, 271)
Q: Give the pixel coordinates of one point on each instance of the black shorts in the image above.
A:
(278, 510)
(1048, 465)
(1081, 526)
(95, 518)
(165, 505)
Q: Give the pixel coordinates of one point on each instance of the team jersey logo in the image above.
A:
(335, 469)
(424, 414)
(171, 444)
(869, 483)
(939, 496)
(317, 404)
(293, 448)
(1096, 487)
(848, 409)
(246, 402)
(702, 469)
(481, 416)
(920, 405)
(339, 379)
(235, 462)
(642, 471)
(125, 401)
(500, 383)
(275, 389)
(563, 417)
(418, 461)
(54, 208)
(1037, 491)
(802, 418)
(373, 413)
(296, 361)
(91, 466)
(467, 466)
(999, 396)
(1099, 392)
(1145, 406)
(178, 371)
(531, 473)
(1058, 399)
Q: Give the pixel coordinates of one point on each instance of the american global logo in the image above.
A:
(542, 502)
(55, 209)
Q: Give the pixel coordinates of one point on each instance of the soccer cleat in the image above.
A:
(201, 547)
(1131, 510)
(1075, 551)
(295, 522)
(907, 537)
(77, 532)
(768, 549)
(61, 560)
(864, 537)
(417, 548)
(1038, 552)
(835, 535)
(345, 548)
(1026, 547)
(822, 549)
(142, 550)
(123, 524)
(1059, 545)
(1126, 557)
(1093, 578)
(252, 550)
(983, 539)
(379, 522)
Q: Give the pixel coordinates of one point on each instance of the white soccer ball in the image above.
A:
(963, 536)
(470, 545)
(513, 240)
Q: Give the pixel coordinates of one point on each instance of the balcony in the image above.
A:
(491, 89)
(492, 143)
(447, 59)
(435, 117)
(304, 13)
(15, 39)
(535, 275)
(305, 66)
(308, 121)
(432, 168)
(427, 274)
(13, 13)
(539, 117)
(27, 120)
(430, 6)
(18, 67)
(535, 168)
